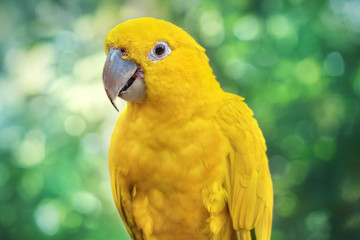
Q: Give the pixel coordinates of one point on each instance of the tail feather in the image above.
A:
(263, 228)
(243, 235)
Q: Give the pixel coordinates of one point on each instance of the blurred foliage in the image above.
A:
(295, 61)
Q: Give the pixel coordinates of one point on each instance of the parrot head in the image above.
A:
(151, 60)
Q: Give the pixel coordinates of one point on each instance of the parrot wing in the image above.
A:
(122, 191)
(248, 183)
(122, 201)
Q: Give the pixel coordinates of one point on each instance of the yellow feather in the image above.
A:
(189, 162)
(245, 235)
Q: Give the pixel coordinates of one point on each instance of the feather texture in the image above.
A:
(249, 187)
(189, 162)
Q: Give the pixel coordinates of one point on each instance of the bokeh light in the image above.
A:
(295, 61)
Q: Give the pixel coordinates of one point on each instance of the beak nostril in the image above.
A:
(122, 51)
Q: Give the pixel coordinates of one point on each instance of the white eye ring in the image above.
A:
(160, 51)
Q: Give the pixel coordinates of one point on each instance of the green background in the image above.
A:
(295, 61)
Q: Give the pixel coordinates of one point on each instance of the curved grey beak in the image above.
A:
(121, 78)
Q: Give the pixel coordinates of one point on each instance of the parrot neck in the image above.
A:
(177, 107)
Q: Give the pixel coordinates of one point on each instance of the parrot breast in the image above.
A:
(166, 170)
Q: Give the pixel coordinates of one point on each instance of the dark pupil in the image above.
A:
(159, 50)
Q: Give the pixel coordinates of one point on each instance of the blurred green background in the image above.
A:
(295, 61)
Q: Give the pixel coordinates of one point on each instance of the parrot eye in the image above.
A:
(160, 51)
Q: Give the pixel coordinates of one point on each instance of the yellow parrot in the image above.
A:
(187, 160)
